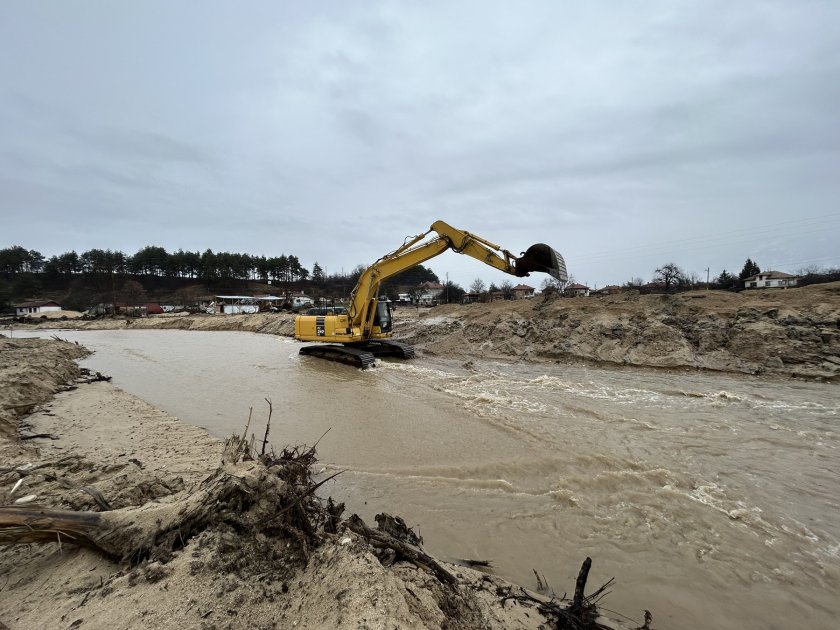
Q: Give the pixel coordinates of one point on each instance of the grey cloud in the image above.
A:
(333, 131)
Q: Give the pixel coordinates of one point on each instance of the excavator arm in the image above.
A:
(366, 321)
(448, 237)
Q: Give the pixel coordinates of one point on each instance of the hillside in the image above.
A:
(791, 332)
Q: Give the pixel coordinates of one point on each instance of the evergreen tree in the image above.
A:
(750, 269)
(725, 279)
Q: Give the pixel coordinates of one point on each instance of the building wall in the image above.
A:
(772, 283)
(29, 310)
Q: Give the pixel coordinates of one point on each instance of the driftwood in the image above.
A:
(93, 377)
(383, 540)
(581, 613)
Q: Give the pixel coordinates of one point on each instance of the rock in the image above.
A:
(774, 362)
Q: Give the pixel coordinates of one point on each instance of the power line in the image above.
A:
(813, 225)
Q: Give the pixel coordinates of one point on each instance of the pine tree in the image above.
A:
(750, 269)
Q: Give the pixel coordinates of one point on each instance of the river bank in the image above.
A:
(99, 440)
(793, 332)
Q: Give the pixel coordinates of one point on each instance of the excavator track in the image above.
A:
(341, 354)
(360, 355)
(388, 348)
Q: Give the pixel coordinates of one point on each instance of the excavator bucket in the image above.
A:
(542, 258)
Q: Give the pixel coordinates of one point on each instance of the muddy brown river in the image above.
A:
(713, 499)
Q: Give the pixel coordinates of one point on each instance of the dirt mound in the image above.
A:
(31, 371)
(791, 332)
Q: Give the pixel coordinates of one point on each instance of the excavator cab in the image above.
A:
(382, 317)
(542, 258)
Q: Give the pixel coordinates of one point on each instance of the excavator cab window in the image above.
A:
(383, 316)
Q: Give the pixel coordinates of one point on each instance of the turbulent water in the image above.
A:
(712, 499)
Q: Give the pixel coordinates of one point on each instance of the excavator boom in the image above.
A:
(365, 330)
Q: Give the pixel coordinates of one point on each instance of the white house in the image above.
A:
(35, 307)
(234, 305)
(431, 293)
(521, 291)
(770, 279)
(577, 290)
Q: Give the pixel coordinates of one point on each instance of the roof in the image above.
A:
(36, 303)
(577, 286)
(770, 275)
(522, 287)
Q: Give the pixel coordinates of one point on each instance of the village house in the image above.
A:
(35, 307)
(522, 291)
(123, 308)
(770, 279)
(577, 290)
(430, 295)
(234, 305)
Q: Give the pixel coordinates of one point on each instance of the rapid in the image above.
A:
(713, 499)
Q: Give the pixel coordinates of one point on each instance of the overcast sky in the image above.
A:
(623, 134)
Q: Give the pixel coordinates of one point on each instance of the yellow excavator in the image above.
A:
(363, 332)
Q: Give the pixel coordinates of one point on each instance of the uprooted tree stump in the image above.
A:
(246, 495)
(253, 492)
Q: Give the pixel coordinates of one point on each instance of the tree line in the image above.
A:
(671, 276)
(154, 261)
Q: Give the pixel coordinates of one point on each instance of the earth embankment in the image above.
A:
(787, 332)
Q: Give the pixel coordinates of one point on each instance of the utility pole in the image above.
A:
(707, 278)
(447, 287)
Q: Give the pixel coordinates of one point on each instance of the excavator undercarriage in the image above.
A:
(361, 355)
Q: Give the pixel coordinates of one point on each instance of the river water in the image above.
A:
(712, 499)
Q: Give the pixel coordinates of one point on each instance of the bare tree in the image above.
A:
(811, 270)
(133, 293)
(694, 279)
(506, 287)
(670, 275)
(478, 286)
(416, 293)
(553, 284)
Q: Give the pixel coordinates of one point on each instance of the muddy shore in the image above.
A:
(793, 332)
(97, 437)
